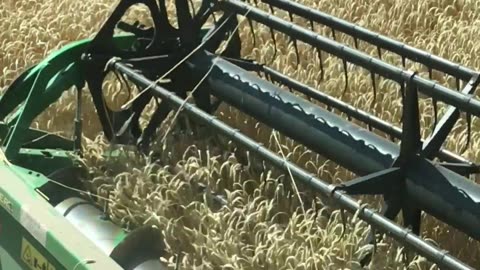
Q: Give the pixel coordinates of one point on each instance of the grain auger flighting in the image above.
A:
(413, 175)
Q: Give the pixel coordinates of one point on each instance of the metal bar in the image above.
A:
(353, 112)
(356, 31)
(427, 87)
(77, 129)
(441, 258)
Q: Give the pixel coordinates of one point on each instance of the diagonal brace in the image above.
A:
(462, 169)
(376, 183)
(433, 143)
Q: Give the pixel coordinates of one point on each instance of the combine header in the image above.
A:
(46, 226)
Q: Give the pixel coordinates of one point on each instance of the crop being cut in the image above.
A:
(228, 134)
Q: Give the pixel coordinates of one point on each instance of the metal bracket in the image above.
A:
(381, 182)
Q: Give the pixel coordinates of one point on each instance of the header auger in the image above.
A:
(168, 63)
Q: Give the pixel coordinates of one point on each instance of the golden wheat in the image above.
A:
(261, 227)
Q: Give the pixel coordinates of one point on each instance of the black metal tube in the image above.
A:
(376, 39)
(320, 130)
(441, 258)
(358, 114)
(441, 93)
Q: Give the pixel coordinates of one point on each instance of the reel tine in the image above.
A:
(469, 133)
(457, 83)
(295, 46)
(123, 81)
(355, 42)
(402, 90)
(379, 51)
(268, 76)
(346, 76)
(404, 60)
(333, 34)
(372, 75)
(435, 112)
(290, 16)
(252, 31)
(322, 71)
(344, 222)
(272, 34)
(271, 9)
(312, 26)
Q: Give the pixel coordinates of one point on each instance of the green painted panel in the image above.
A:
(26, 214)
(7, 262)
(41, 86)
(22, 247)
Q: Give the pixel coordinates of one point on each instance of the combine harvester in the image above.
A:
(47, 226)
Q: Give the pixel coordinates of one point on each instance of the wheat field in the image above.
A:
(264, 225)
